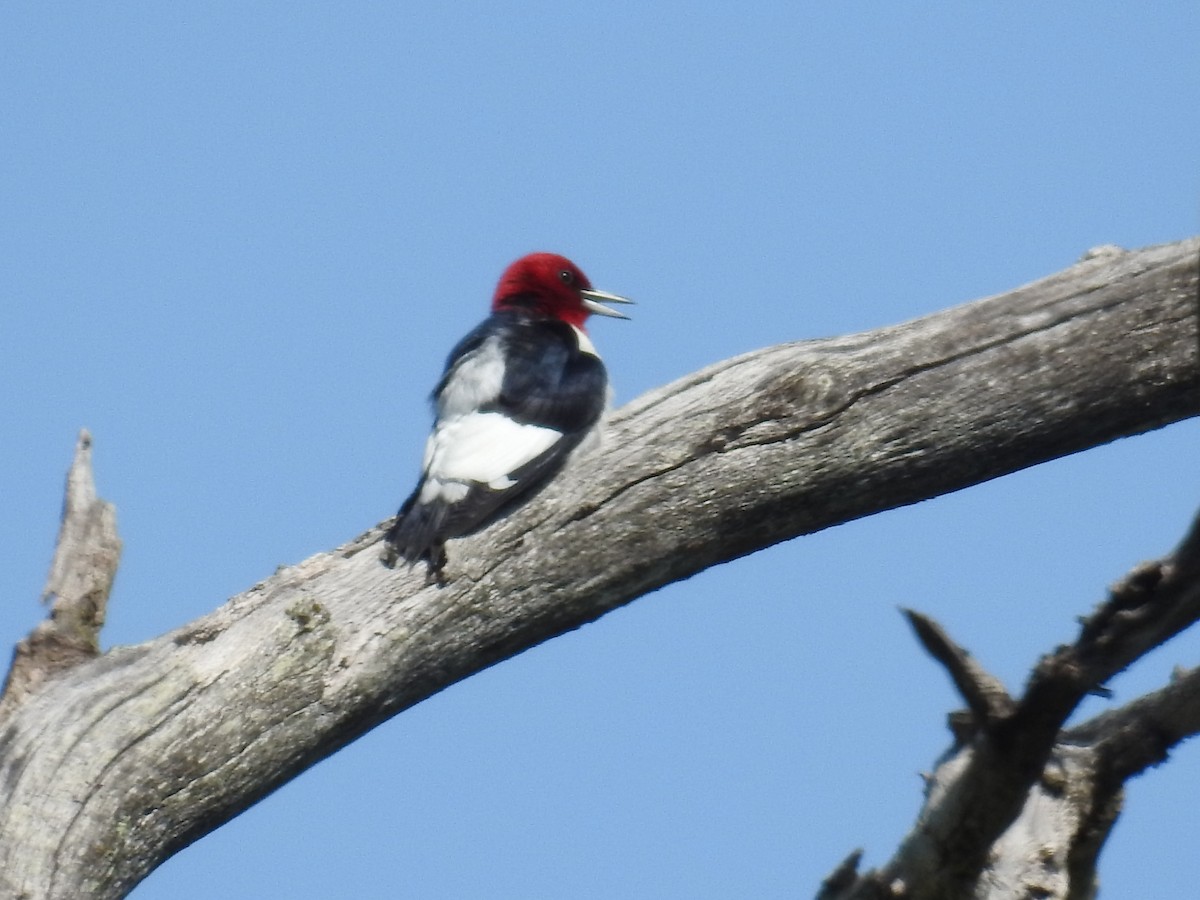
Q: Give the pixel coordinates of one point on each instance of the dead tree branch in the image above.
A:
(138, 752)
(81, 577)
(1021, 807)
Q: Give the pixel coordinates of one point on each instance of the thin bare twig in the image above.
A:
(983, 692)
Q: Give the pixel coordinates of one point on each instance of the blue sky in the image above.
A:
(236, 243)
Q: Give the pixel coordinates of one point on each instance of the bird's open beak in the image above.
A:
(591, 301)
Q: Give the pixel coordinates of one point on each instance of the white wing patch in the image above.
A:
(481, 448)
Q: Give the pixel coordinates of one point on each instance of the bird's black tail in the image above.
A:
(415, 534)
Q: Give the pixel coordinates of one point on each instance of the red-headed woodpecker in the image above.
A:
(518, 394)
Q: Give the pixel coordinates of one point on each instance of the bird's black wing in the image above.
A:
(549, 381)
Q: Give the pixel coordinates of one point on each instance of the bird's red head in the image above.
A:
(553, 286)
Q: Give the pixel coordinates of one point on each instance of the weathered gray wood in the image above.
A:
(124, 759)
(81, 576)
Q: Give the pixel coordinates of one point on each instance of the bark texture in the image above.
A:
(112, 763)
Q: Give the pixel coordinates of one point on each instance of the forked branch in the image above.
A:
(1022, 807)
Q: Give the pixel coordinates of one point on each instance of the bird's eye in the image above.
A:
(566, 276)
